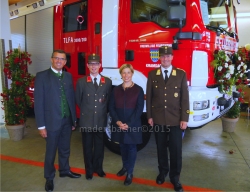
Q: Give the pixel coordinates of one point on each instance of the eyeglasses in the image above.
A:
(58, 58)
(94, 64)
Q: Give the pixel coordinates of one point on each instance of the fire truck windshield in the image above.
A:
(152, 11)
(218, 14)
(75, 17)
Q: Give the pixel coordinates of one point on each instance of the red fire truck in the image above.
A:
(131, 31)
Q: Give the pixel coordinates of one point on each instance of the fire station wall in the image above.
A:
(18, 32)
(243, 22)
(244, 28)
(39, 33)
(34, 33)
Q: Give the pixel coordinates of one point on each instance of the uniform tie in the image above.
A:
(95, 83)
(166, 75)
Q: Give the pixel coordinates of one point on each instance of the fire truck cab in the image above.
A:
(123, 31)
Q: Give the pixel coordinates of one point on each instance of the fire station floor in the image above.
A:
(207, 163)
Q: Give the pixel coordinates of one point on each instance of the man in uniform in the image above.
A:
(92, 95)
(168, 111)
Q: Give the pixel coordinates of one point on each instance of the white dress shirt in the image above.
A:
(169, 71)
(98, 77)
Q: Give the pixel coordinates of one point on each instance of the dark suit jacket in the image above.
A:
(47, 97)
(167, 104)
(93, 103)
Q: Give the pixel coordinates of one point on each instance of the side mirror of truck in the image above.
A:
(177, 13)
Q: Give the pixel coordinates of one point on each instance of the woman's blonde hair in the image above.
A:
(126, 65)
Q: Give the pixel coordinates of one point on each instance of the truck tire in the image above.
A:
(114, 146)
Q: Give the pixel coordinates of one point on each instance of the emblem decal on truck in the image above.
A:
(154, 55)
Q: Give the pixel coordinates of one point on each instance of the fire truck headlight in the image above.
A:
(200, 117)
(200, 105)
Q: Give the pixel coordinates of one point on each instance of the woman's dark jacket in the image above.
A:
(126, 106)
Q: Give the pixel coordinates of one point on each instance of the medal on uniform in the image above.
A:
(158, 72)
(103, 99)
(175, 94)
(174, 72)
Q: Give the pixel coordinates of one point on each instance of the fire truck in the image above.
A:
(131, 31)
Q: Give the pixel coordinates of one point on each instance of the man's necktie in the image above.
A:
(95, 83)
(166, 75)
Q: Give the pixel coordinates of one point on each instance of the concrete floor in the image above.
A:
(207, 164)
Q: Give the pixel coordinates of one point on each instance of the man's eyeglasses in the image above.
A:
(58, 58)
(94, 64)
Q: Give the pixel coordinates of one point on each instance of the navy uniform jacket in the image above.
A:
(93, 103)
(47, 97)
(167, 104)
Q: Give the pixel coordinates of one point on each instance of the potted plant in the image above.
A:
(15, 99)
(230, 74)
(230, 119)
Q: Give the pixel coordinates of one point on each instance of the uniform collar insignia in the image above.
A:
(89, 79)
(174, 72)
(158, 72)
(102, 80)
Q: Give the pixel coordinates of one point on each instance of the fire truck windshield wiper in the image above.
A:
(220, 30)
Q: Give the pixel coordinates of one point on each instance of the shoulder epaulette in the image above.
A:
(181, 69)
(106, 77)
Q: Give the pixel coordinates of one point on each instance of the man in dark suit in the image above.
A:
(55, 116)
(92, 95)
(168, 111)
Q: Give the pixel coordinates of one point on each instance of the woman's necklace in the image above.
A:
(132, 84)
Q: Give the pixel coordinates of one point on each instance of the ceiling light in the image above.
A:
(41, 2)
(34, 5)
(11, 13)
(225, 15)
(243, 14)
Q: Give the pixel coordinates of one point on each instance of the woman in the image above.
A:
(125, 107)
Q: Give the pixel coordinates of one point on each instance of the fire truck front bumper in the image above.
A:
(204, 106)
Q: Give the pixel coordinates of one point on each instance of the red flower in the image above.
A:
(4, 95)
(241, 100)
(21, 121)
(16, 60)
(6, 71)
(18, 83)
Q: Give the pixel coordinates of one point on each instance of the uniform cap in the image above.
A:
(93, 58)
(165, 50)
